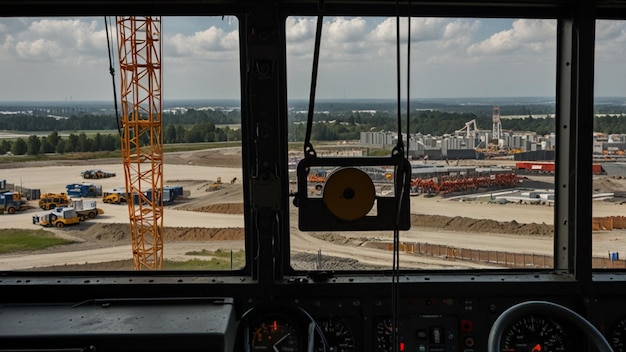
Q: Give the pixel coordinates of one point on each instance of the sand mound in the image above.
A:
(109, 233)
(609, 184)
(223, 199)
(463, 224)
(121, 232)
(224, 208)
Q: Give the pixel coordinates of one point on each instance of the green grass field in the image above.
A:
(14, 240)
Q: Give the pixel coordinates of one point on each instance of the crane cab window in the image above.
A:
(61, 107)
(609, 145)
(481, 136)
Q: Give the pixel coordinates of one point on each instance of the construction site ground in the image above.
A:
(211, 219)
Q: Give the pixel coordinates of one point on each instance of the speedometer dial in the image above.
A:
(276, 335)
(617, 336)
(384, 335)
(337, 334)
(534, 333)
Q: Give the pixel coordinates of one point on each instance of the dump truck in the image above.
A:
(48, 201)
(58, 217)
(96, 173)
(86, 209)
(10, 202)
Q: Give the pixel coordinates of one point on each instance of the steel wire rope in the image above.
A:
(395, 266)
(395, 295)
(308, 148)
(398, 150)
(408, 79)
(112, 72)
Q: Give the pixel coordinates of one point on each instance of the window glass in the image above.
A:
(609, 145)
(481, 140)
(59, 135)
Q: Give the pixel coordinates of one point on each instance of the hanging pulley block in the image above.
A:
(353, 194)
(349, 193)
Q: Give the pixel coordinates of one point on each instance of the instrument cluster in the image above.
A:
(422, 325)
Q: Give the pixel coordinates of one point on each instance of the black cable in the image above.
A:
(398, 80)
(112, 71)
(308, 148)
(395, 278)
(408, 80)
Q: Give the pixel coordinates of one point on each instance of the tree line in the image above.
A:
(196, 126)
(90, 121)
(81, 142)
(54, 143)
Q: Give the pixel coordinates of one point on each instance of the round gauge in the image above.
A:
(337, 334)
(384, 335)
(534, 333)
(617, 336)
(274, 335)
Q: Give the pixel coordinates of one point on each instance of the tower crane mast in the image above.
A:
(139, 50)
(497, 125)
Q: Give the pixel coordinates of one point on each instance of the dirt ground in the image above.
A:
(228, 200)
(219, 157)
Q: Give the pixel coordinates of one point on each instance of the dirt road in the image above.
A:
(185, 221)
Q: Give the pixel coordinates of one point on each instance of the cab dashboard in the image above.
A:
(429, 320)
(269, 306)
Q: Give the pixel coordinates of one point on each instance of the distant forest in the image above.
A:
(334, 123)
(194, 126)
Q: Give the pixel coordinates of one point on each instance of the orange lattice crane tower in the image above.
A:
(142, 135)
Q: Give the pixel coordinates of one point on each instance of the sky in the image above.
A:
(66, 59)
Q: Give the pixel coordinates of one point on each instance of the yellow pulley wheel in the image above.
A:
(349, 193)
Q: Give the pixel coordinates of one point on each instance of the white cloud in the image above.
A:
(300, 29)
(39, 50)
(343, 30)
(341, 37)
(610, 41)
(6, 48)
(450, 56)
(54, 41)
(610, 68)
(422, 29)
(84, 36)
(300, 33)
(52, 58)
(212, 43)
(358, 56)
(524, 37)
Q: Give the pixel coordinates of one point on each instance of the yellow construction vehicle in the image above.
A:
(49, 201)
(58, 217)
(114, 196)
